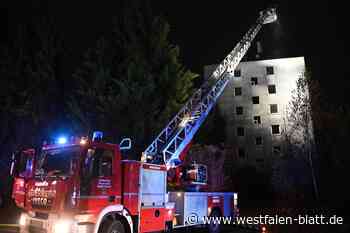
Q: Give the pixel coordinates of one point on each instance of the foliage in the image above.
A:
(298, 138)
(332, 132)
(329, 133)
(30, 82)
(132, 82)
(299, 123)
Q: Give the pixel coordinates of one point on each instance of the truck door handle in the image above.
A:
(111, 198)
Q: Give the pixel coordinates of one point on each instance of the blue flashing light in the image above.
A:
(62, 140)
(97, 136)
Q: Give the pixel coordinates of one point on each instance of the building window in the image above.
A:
(237, 73)
(272, 89)
(238, 91)
(275, 129)
(258, 141)
(276, 150)
(273, 108)
(259, 160)
(269, 70)
(254, 81)
(255, 99)
(239, 110)
(240, 131)
(257, 120)
(241, 153)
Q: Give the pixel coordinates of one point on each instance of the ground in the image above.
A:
(9, 216)
(235, 230)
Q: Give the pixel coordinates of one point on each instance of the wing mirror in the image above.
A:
(22, 163)
(14, 163)
(125, 144)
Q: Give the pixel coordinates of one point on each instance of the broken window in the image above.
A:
(257, 120)
(238, 91)
(241, 153)
(273, 108)
(272, 89)
(237, 73)
(269, 70)
(258, 141)
(254, 81)
(240, 131)
(275, 129)
(239, 110)
(259, 160)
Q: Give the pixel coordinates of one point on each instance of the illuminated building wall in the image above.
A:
(254, 105)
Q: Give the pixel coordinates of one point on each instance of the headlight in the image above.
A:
(62, 226)
(22, 219)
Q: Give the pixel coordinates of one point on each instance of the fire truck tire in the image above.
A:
(114, 226)
(214, 228)
(168, 227)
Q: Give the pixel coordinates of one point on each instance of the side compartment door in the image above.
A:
(152, 201)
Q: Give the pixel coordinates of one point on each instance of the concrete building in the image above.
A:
(255, 104)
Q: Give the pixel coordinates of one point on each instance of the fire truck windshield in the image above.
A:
(57, 162)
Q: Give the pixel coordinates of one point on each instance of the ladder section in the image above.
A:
(173, 139)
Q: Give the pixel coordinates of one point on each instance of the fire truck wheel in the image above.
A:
(115, 226)
(212, 227)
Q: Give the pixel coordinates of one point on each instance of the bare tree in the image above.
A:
(299, 133)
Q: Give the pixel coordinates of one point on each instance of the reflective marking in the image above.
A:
(153, 167)
(98, 197)
(130, 194)
(153, 194)
(153, 207)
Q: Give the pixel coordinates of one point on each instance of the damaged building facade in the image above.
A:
(255, 106)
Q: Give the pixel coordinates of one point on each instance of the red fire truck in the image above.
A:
(86, 184)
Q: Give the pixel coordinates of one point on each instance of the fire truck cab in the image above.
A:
(85, 186)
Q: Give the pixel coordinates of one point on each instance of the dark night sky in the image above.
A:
(207, 30)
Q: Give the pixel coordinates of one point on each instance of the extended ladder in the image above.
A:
(173, 139)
